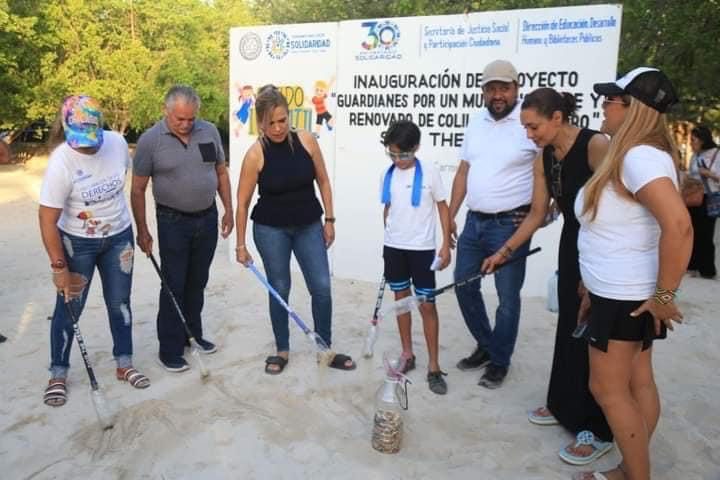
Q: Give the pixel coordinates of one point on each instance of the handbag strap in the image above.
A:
(702, 162)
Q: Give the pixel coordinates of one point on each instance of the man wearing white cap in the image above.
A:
(495, 178)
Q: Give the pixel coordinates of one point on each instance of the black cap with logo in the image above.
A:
(649, 85)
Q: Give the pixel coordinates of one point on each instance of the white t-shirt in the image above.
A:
(619, 249)
(500, 157)
(408, 227)
(714, 166)
(89, 188)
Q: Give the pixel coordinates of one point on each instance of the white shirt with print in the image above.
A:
(89, 188)
(408, 227)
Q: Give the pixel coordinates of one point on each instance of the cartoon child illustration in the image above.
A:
(241, 116)
(85, 215)
(92, 224)
(321, 112)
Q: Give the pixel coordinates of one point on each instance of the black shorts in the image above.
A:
(323, 117)
(402, 266)
(610, 320)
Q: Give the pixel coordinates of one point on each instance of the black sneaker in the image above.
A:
(493, 376)
(478, 359)
(206, 346)
(436, 382)
(176, 365)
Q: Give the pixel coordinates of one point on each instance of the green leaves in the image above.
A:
(127, 53)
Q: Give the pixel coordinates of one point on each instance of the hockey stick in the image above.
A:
(102, 410)
(325, 354)
(407, 304)
(194, 347)
(373, 331)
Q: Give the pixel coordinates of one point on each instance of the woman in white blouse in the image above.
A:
(634, 245)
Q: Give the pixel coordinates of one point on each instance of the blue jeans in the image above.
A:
(480, 238)
(308, 244)
(113, 257)
(187, 247)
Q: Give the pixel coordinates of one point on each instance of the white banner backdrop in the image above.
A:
(428, 69)
(301, 61)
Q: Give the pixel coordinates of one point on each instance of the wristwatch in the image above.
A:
(329, 219)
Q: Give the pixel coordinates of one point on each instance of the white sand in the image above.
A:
(308, 422)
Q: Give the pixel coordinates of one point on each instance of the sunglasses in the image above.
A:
(607, 102)
(400, 155)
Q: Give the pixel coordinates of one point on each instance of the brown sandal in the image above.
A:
(55, 393)
(133, 377)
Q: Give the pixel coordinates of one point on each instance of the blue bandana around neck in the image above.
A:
(416, 188)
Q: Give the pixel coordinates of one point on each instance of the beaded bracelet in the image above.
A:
(664, 296)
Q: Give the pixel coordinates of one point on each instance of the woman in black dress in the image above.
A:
(566, 162)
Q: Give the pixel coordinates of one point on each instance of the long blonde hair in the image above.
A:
(642, 126)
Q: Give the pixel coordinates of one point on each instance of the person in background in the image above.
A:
(704, 167)
(284, 164)
(412, 192)
(634, 245)
(85, 224)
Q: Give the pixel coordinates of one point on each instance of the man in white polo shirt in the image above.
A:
(495, 177)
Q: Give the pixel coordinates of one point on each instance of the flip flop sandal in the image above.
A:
(340, 360)
(275, 360)
(133, 377)
(586, 437)
(538, 419)
(55, 393)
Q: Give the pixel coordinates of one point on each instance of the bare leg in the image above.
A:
(404, 322)
(431, 327)
(644, 390)
(610, 383)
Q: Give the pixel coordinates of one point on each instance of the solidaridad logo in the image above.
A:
(383, 35)
(250, 46)
(277, 44)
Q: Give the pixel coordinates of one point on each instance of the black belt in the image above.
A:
(490, 216)
(199, 213)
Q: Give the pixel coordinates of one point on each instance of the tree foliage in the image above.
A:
(128, 52)
(19, 44)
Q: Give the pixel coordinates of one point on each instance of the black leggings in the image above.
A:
(703, 253)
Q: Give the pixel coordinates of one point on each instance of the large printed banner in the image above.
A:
(347, 81)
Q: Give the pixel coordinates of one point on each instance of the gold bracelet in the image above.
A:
(664, 296)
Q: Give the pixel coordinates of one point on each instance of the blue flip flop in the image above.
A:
(586, 437)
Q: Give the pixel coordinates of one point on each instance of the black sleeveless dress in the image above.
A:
(569, 398)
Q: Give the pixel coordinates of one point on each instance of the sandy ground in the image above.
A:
(308, 422)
